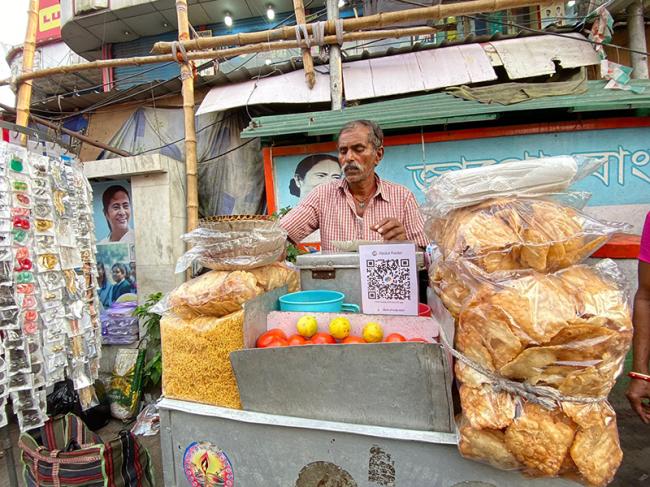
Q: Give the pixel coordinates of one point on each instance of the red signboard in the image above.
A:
(49, 21)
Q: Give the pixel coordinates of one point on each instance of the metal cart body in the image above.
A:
(266, 450)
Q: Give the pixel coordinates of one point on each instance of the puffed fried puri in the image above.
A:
(485, 408)
(540, 439)
(513, 233)
(597, 453)
(486, 446)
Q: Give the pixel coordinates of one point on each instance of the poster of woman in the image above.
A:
(117, 281)
(312, 171)
(113, 215)
(309, 173)
(112, 211)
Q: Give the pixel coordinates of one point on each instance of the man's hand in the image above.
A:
(636, 393)
(390, 229)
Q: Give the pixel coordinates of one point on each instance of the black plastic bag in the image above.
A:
(64, 399)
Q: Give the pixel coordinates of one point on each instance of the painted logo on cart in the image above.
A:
(205, 465)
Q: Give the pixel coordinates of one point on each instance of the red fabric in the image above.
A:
(330, 208)
(644, 251)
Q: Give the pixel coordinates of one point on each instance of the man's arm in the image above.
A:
(302, 220)
(414, 223)
(412, 228)
(639, 390)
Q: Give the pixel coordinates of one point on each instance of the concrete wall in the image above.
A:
(158, 200)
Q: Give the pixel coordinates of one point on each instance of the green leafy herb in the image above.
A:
(151, 324)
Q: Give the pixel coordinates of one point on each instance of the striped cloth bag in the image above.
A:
(69, 454)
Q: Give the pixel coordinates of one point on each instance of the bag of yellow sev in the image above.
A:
(196, 362)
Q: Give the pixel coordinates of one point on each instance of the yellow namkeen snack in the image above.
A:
(196, 358)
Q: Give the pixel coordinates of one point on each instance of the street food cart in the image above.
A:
(396, 423)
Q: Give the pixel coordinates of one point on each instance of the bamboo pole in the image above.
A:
(25, 89)
(72, 133)
(307, 60)
(380, 20)
(187, 77)
(336, 69)
(218, 53)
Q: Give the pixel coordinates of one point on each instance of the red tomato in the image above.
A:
(354, 339)
(417, 339)
(394, 337)
(322, 338)
(297, 340)
(277, 342)
(265, 338)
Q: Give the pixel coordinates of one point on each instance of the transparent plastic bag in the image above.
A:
(519, 233)
(196, 358)
(148, 422)
(551, 329)
(529, 178)
(126, 382)
(234, 248)
(218, 293)
(575, 441)
(564, 334)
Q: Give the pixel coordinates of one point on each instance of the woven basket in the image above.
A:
(236, 223)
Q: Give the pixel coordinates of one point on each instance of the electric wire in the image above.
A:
(113, 101)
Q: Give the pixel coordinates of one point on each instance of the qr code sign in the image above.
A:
(389, 279)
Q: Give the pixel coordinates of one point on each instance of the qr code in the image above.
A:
(389, 279)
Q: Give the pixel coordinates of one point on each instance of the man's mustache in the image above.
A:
(351, 165)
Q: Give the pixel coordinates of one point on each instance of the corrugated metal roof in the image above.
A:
(442, 109)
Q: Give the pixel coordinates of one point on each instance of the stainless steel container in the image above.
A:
(336, 272)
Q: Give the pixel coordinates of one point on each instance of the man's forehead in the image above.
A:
(354, 135)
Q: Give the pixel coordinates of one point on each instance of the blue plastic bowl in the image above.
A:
(317, 301)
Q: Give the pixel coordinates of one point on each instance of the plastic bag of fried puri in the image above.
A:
(565, 333)
(511, 234)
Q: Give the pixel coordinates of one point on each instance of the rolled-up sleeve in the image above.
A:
(414, 223)
(304, 219)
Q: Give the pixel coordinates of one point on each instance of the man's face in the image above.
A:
(358, 157)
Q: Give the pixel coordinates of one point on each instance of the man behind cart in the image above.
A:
(360, 206)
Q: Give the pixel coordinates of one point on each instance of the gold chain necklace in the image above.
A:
(362, 203)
